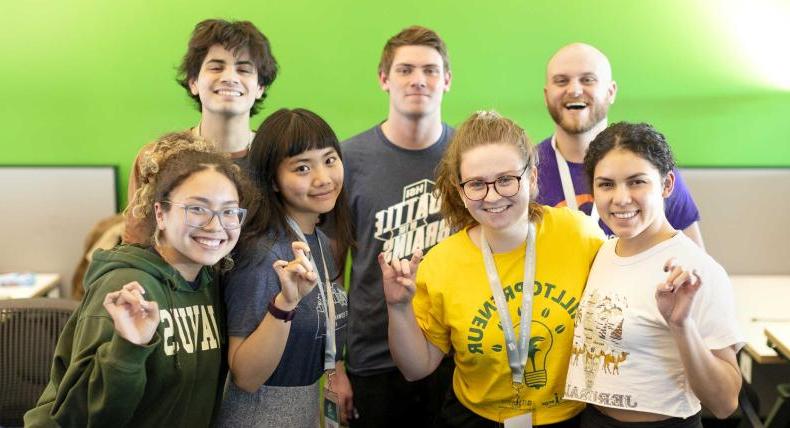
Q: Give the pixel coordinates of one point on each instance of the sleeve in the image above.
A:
(133, 231)
(429, 307)
(680, 209)
(714, 310)
(249, 288)
(106, 377)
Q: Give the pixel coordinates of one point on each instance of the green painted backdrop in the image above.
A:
(88, 82)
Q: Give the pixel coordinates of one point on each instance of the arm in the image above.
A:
(254, 358)
(713, 374)
(414, 355)
(105, 381)
(695, 234)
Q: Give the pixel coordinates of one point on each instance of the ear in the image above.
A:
(159, 214)
(463, 198)
(275, 186)
(533, 181)
(259, 93)
(193, 86)
(612, 92)
(545, 96)
(384, 81)
(668, 185)
(448, 78)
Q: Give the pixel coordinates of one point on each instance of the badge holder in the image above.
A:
(331, 406)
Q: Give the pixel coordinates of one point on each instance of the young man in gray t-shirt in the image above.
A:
(389, 177)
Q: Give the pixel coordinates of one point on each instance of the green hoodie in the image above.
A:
(101, 379)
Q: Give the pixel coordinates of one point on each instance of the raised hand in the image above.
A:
(297, 278)
(135, 319)
(398, 278)
(675, 296)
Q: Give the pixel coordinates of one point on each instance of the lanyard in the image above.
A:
(567, 182)
(516, 353)
(327, 297)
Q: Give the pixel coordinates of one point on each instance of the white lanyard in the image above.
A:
(326, 296)
(567, 182)
(516, 353)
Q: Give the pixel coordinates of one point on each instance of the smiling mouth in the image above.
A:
(227, 93)
(625, 215)
(496, 210)
(209, 243)
(576, 105)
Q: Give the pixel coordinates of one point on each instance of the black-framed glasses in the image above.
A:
(505, 186)
(200, 216)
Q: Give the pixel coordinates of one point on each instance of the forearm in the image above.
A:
(411, 351)
(253, 359)
(713, 375)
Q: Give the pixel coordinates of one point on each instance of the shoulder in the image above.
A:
(570, 222)
(360, 141)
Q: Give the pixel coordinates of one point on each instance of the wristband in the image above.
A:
(279, 313)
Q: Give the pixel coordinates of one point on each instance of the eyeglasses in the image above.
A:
(505, 186)
(200, 216)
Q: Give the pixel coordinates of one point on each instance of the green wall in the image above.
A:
(88, 82)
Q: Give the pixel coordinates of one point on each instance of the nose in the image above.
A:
(321, 176)
(491, 193)
(621, 195)
(574, 88)
(418, 79)
(229, 75)
(214, 224)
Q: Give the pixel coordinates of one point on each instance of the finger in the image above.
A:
(416, 258)
(670, 264)
(134, 285)
(405, 267)
(110, 298)
(130, 301)
(681, 279)
(383, 265)
(300, 248)
(309, 276)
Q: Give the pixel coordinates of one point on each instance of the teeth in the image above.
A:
(576, 105)
(625, 215)
(226, 92)
(496, 210)
(214, 243)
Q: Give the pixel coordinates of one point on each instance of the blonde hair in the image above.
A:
(481, 128)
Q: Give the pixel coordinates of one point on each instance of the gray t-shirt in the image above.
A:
(392, 209)
(249, 288)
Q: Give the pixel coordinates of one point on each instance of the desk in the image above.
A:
(45, 282)
(761, 302)
(779, 337)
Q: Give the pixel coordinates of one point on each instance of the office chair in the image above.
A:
(749, 403)
(29, 331)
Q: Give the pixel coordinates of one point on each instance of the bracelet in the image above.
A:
(279, 313)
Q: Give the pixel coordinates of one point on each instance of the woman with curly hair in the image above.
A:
(146, 346)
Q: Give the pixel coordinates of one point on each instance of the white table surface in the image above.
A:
(779, 336)
(762, 301)
(44, 283)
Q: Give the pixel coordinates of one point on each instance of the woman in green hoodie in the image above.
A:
(146, 347)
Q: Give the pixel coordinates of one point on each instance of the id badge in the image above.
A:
(331, 410)
(520, 421)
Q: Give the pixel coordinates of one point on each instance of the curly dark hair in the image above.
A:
(639, 138)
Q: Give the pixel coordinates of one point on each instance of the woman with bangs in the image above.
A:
(286, 315)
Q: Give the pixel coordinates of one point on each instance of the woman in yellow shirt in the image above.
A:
(467, 295)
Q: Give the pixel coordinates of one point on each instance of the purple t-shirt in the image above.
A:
(680, 209)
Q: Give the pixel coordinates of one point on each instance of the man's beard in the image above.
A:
(597, 113)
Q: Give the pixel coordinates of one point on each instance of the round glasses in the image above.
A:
(200, 216)
(505, 186)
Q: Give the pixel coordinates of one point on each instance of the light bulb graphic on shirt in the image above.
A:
(540, 343)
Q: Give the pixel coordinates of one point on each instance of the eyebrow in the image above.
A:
(328, 151)
(222, 61)
(207, 201)
(630, 177)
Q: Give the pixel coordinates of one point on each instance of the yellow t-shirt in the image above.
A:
(455, 309)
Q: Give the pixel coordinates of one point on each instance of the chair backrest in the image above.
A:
(29, 331)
